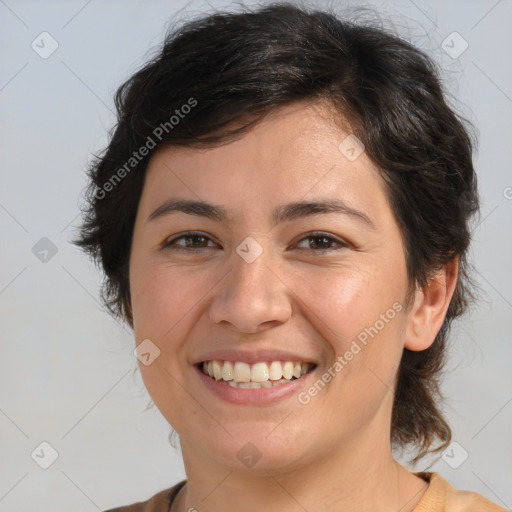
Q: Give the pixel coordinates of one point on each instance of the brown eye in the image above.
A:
(323, 242)
(191, 240)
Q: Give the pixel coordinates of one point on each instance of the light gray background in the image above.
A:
(68, 374)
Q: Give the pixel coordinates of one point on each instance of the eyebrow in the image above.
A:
(283, 213)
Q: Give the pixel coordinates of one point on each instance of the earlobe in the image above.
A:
(430, 306)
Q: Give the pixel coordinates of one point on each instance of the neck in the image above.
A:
(357, 477)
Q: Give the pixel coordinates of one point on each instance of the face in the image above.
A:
(293, 256)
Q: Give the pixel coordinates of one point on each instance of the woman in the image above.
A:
(282, 218)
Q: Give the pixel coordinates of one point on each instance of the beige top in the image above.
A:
(440, 497)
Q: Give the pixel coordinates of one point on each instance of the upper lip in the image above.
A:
(252, 356)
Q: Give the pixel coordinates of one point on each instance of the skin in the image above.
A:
(334, 452)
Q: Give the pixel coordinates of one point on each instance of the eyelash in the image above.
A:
(316, 234)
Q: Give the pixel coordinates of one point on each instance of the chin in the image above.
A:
(257, 448)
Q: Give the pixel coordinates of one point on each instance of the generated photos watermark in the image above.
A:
(357, 345)
(151, 142)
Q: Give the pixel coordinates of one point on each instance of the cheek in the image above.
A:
(344, 302)
(164, 301)
(163, 296)
(359, 312)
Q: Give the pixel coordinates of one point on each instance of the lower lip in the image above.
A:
(253, 396)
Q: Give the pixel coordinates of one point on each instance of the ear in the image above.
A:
(430, 306)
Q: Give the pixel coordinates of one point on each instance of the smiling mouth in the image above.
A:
(238, 374)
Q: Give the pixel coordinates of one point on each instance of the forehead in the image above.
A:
(296, 153)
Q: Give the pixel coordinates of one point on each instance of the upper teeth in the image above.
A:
(257, 372)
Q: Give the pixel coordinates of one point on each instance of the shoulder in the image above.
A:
(441, 496)
(160, 502)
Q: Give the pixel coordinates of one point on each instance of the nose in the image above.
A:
(252, 297)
